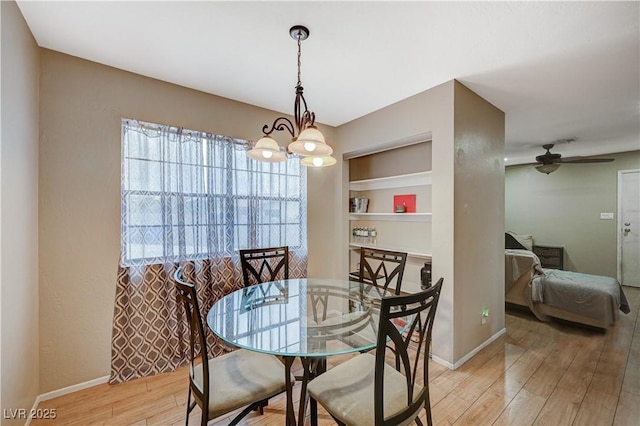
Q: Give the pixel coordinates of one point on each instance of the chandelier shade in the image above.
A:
(318, 161)
(306, 139)
(310, 142)
(268, 150)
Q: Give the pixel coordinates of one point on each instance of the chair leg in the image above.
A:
(189, 408)
(260, 407)
(243, 413)
(428, 410)
(314, 411)
(204, 419)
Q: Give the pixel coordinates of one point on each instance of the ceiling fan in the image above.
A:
(550, 162)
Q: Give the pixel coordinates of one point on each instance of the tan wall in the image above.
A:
(479, 127)
(413, 158)
(563, 209)
(322, 217)
(479, 218)
(19, 217)
(81, 106)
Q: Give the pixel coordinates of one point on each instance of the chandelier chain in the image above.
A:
(299, 55)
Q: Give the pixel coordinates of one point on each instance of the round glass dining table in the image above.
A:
(304, 318)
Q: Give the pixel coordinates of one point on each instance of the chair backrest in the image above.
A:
(406, 320)
(197, 339)
(263, 265)
(382, 267)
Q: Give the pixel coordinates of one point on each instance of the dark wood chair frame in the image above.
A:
(187, 294)
(264, 259)
(420, 309)
(390, 267)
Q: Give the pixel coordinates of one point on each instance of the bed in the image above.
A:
(592, 300)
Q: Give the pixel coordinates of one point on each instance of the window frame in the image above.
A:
(228, 198)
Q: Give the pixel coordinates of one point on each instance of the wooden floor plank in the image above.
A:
(560, 409)
(512, 380)
(485, 410)
(449, 410)
(578, 376)
(505, 358)
(522, 410)
(439, 388)
(597, 408)
(609, 373)
(475, 385)
(627, 410)
(543, 381)
(631, 382)
(134, 409)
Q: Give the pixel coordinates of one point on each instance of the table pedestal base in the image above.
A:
(312, 367)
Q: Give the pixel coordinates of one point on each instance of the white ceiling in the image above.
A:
(557, 69)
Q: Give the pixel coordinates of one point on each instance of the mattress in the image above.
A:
(588, 299)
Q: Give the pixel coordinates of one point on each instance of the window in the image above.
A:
(190, 195)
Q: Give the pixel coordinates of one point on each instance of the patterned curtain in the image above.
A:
(193, 199)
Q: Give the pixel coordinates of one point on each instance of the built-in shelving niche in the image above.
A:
(378, 176)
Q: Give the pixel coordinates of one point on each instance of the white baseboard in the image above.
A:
(470, 355)
(64, 391)
(443, 362)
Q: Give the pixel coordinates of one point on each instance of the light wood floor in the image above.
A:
(536, 374)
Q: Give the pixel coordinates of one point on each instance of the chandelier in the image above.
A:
(306, 140)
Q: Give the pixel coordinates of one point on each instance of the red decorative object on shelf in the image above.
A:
(408, 201)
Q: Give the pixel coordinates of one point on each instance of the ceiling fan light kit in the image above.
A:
(306, 140)
(547, 168)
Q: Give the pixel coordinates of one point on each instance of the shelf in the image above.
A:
(392, 217)
(417, 255)
(398, 181)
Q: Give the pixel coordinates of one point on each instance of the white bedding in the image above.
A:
(593, 296)
(518, 263)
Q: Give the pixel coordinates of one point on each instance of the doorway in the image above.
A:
(629, 227)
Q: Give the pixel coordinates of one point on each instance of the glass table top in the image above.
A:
(300, 317)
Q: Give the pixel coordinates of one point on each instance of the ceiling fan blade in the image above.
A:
(583, 160)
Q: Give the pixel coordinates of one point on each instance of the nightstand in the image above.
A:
(550, 257)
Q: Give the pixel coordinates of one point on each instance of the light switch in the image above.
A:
(606, 216)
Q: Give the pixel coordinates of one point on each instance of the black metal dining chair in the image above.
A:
(382, 268)
(264, 264)
(365, 390)
(228, 382)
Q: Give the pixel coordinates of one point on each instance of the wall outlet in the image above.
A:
(485, 315)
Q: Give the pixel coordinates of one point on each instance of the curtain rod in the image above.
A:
(178, 129)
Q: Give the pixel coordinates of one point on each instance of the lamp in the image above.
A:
(547, 168)
(267, 149)
(318, 161)
(306, 140)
